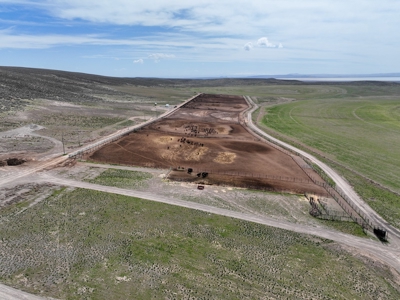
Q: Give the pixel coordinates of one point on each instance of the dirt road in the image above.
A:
(387, 253)
(17, 173)
(8, 177)
(394, 233)
(9, 293)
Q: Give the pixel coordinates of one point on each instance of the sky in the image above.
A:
(203, 38)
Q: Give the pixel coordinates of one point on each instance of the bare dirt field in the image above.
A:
(206, 136)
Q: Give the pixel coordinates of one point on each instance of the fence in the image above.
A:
(127, 131)
(251, 175)
(320, 210)
(336, 193)
(254, 175)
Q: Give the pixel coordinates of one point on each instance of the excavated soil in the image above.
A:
(207, 135)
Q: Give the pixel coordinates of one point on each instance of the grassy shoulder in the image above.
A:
(346, 227)
(384, 202)
(88, 244)
(122, 178)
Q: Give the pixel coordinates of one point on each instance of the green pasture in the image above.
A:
(359, 129)
(274, 93)
(302, 91)
(362, 134)
(84, 244)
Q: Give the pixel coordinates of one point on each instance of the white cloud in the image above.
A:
(209, 30)
(224, 16)
(248, 46)
(263, 42)
(158, 56)
(138, 61)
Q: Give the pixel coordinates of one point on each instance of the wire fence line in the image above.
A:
(114, 137)
(320, 210)
(346, 204)
(241, 185)
(339, 195)
(250, 174)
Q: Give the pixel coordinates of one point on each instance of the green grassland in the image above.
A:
(273, 93)
(363, 134)
(357, 130)
(122, 178)
(84, 244)
(270, 92)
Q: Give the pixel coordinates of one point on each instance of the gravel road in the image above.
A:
(9, 293)
(394, 233)
(387, 253)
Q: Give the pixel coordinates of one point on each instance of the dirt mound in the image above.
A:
(225, 158)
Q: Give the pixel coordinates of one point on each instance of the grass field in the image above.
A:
(358, 129)
(384, 202)
(302, 91)
(122, 178)
(277, 93)
(83, 244)
(362, 134)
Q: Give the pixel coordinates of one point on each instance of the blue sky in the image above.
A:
(184, 38)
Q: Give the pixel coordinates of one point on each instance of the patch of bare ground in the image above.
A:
(206, 136)
(293, 208)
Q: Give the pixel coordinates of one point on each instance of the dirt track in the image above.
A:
(390, 255)
(394, 233)
(9, 293)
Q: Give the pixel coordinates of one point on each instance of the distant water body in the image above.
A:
(393, 79)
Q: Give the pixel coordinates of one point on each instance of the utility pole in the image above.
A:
(62, 139)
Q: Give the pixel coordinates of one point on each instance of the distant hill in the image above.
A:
(29, 83)
(378, 75)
